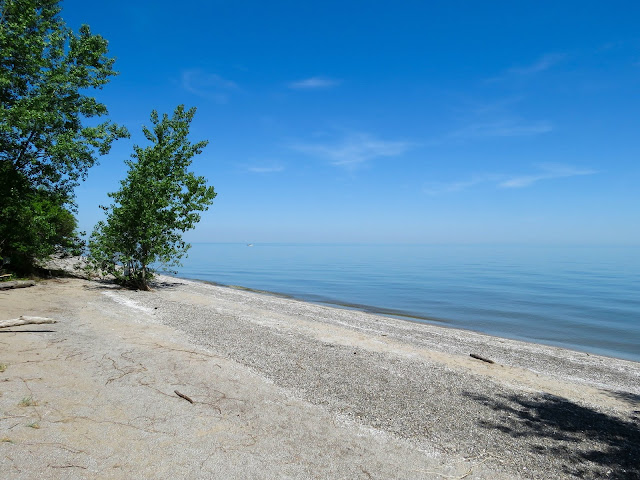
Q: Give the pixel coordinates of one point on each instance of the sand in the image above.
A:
(288, 389)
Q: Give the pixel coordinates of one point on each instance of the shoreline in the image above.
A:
(405, 316)
(449, 340)
(342, 393)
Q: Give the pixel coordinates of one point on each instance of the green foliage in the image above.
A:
(157, 202)
(46, 147)
(39, 225)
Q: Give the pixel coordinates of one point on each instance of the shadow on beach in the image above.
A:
(157, 284)
(110, 284)
(589, 443)
(632, 399)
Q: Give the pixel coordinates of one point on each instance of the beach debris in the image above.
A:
(182, 395)
(478, 357)
(25, 320)
(16, 284)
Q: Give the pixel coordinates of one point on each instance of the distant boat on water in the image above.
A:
(249, 244)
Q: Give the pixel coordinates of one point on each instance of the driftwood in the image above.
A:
(24, 320)
(16, 284)
(182, 395)
(478, 357)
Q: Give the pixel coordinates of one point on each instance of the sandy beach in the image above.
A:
(194, 380)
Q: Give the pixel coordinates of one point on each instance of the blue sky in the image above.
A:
(380, 121)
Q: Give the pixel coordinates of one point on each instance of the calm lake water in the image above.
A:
(583, 298)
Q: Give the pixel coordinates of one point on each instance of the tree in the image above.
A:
(157, 202)
(46, 143)
(39, 222)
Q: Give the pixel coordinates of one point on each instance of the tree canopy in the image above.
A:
(48, 134)
(157, 202)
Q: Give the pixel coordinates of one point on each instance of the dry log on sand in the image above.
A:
(24, 320)
(16, 284)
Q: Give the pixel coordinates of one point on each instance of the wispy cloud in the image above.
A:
(497, 118)
(207, 85)
(548, 172)
(545, 172)
(264, 168)
(354, 150)
(439, 188)
(314, 83)
(543, 63)
(500, 128)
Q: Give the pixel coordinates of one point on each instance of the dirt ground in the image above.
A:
(113, 391)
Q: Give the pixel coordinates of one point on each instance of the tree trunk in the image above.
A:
(145, 287)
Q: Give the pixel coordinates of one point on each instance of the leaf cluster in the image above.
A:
(45, 71)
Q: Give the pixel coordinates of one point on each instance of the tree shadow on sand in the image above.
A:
(589, 443)
(112, 285)
(632, 399)
(157, 284)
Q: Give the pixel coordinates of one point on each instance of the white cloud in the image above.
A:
(314, 83)
(543, 63)
(545, 172)
(354, 150)
(548, 172)
(496, 119)
(207, 85)
(501, 128)
(265, 169)
(439, 188)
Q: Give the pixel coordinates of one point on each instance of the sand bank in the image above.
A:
(288, 389)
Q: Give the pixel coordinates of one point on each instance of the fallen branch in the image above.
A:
(182, 395)
(24, 320)
(16, 284)
(478, 357)
(67, 466)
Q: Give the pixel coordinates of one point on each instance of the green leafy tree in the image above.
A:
(157, 202)
(49, 136)
(42, 223)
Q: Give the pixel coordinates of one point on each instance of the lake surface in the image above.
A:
(583, 298)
